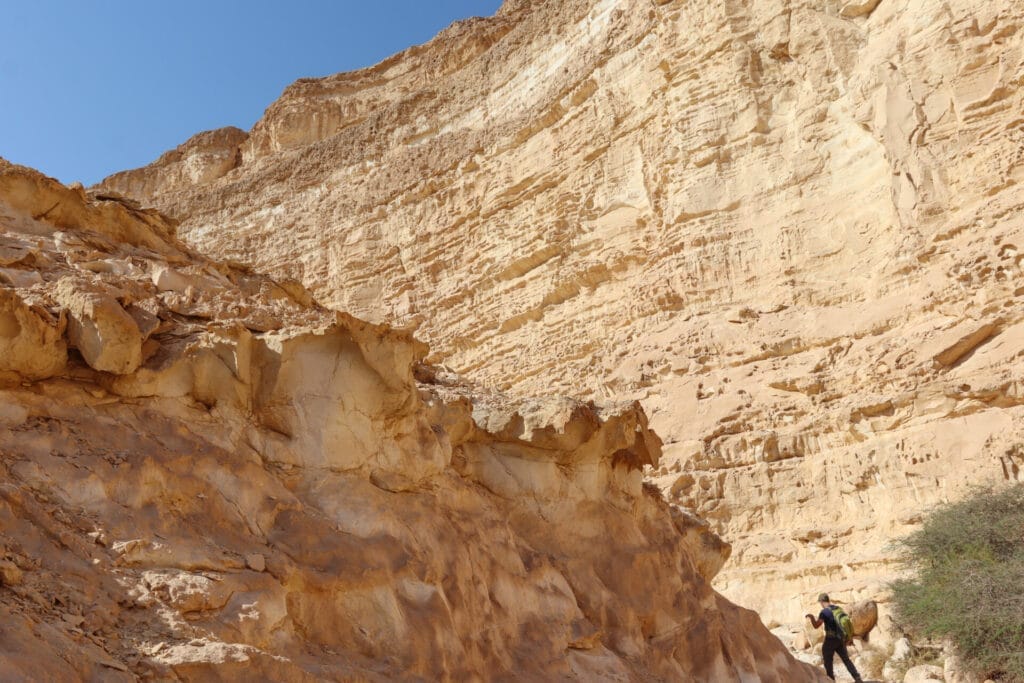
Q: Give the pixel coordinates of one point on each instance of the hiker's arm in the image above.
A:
(816, 623)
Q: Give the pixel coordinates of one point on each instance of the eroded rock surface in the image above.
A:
(212, 478)
(792, 229)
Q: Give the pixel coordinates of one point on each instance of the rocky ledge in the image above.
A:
(204, 475)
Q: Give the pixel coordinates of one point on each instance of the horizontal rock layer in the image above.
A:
(206, 476)
(791, 229)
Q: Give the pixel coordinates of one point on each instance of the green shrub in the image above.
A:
(967, 585)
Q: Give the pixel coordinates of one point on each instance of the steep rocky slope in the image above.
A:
(205, 476)
(792, 229)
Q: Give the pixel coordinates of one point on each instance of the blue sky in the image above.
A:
(88, 88)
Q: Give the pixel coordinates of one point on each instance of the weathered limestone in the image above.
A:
(199, 160)
(31, 345)
(229, 482)
(791, 229)
(102, 331)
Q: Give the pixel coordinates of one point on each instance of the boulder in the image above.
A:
(103, 332)
(901, 650)
(953, 671)
(864, 616)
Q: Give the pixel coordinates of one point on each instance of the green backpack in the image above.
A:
(844, 622)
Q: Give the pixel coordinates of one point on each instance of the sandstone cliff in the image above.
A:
(206, 476)
(792, 229)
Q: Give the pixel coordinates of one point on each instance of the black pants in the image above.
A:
(830, 647)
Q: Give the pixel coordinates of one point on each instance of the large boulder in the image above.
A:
(864, 615)
(103, 332)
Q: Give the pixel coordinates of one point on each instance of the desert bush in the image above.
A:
(967, 581)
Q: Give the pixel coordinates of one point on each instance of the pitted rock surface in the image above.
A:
(791, 229)
(206, 476)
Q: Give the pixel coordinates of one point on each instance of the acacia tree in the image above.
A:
(967, 581)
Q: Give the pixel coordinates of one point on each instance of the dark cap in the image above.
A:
(823, 598)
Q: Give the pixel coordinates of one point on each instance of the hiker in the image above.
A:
(835, 637)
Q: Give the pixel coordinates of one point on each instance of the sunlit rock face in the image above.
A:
(792, 230)
(206, 476)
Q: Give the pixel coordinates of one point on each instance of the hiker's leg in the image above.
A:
(828, 651)
(845, 656)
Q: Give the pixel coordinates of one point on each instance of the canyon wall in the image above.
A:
(206, 476)
(790, 229)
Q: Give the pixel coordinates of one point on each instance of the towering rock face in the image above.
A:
(205, 476)
(792, 229)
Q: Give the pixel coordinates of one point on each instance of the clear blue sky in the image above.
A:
(90, 87)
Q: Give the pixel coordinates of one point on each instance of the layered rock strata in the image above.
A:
(791, 229)
(206, 476)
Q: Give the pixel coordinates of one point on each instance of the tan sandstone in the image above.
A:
(229, 482)
(791, 229)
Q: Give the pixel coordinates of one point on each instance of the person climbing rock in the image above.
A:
(836, 636)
